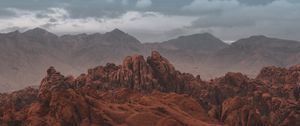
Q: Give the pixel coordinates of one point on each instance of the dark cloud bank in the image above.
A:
(156, 20)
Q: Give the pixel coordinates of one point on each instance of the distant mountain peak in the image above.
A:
(200, 42)
(255, 39)
(38, 31)
(198, 35)
(258, 37)
(14, 32)
(95, 34)
(116, 32)
(204, 34)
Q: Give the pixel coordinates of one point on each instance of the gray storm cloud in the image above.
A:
(256, 2)
(156, 20)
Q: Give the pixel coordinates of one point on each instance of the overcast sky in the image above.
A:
(156, 20)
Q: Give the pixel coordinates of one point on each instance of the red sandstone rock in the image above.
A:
(151, 92)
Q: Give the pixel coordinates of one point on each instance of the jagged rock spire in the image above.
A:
(51, 70)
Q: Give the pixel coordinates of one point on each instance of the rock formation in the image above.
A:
(152, 92)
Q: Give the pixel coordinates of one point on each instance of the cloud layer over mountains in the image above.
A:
(156, 20)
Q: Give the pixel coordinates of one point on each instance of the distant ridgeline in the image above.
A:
(24, 56)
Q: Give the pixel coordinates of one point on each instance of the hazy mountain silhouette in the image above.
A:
(24, 55)
(251, 54)
(196, 43)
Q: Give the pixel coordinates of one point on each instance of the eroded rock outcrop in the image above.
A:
(152, 92)
(279, 76)
(157, 73)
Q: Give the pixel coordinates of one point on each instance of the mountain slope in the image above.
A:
(189, 53)
(196, 43)
(108, 47)
(251, 54)
(24, 55)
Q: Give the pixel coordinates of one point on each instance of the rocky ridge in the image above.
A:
(152, 92)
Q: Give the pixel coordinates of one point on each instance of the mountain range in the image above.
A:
(25, 55)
